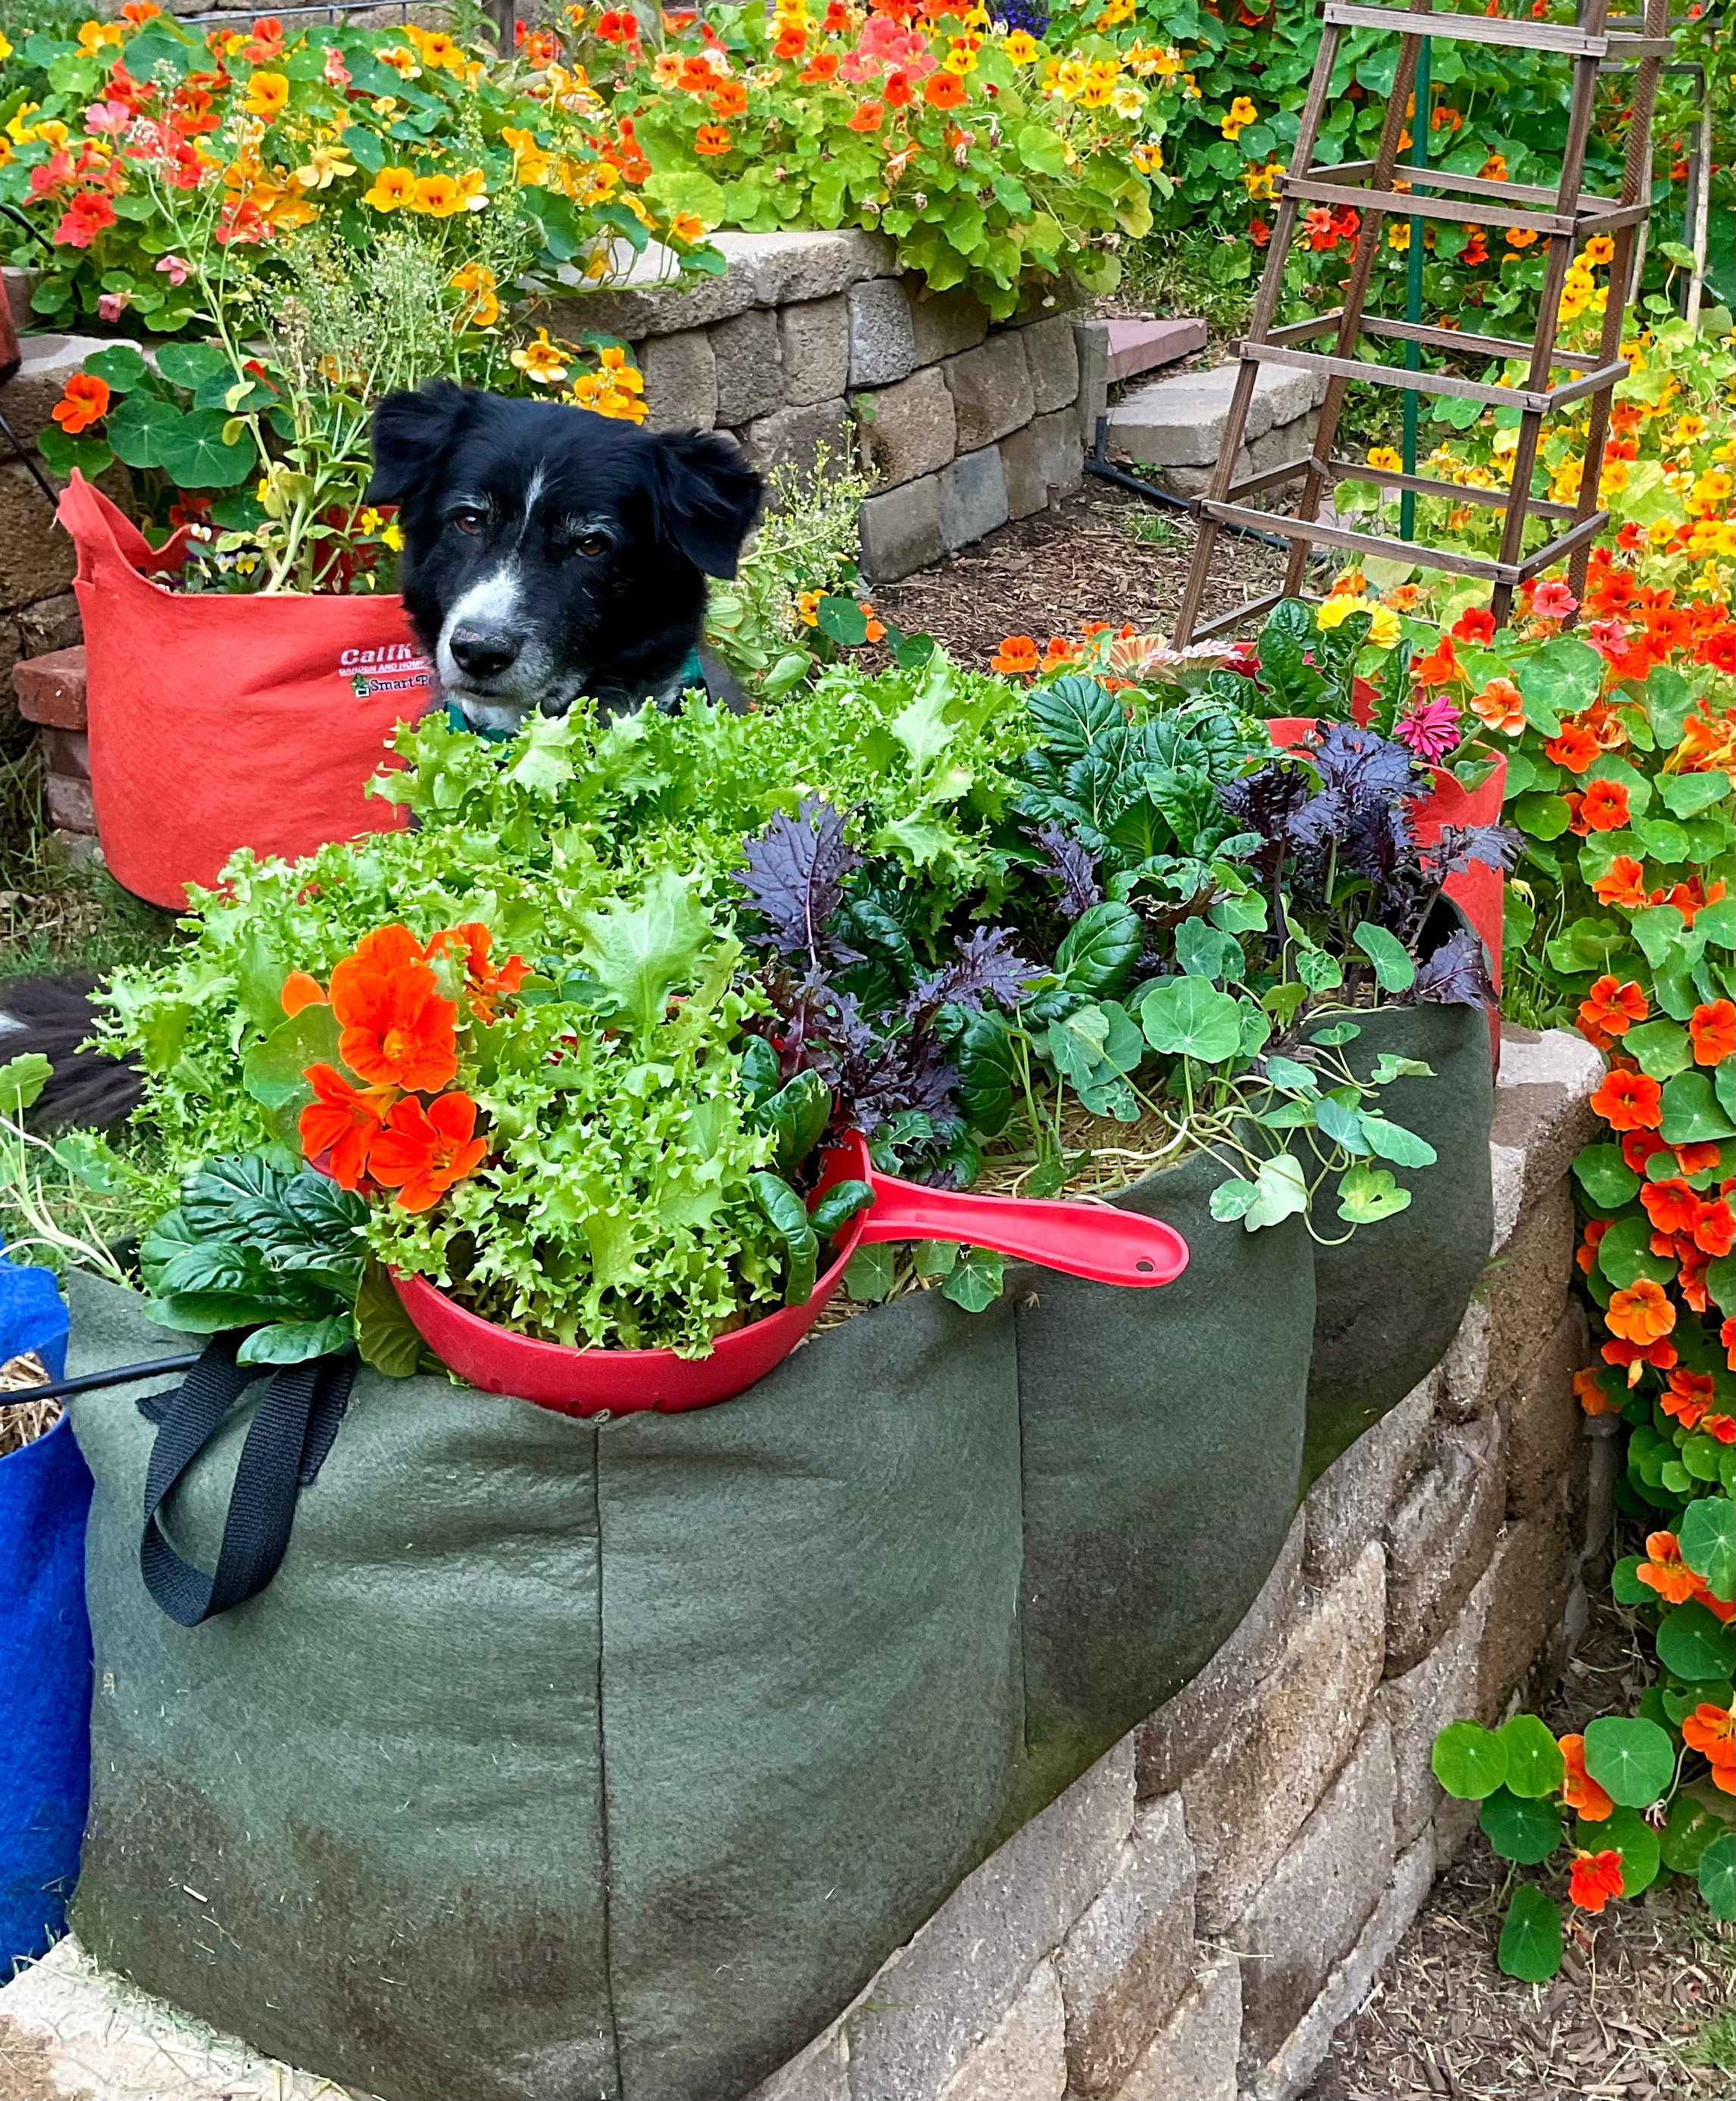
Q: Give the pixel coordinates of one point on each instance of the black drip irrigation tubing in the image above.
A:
(1097, 462)
(123, 1375)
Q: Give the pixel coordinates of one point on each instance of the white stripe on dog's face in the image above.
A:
(491, 603)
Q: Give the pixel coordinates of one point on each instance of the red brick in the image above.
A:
(50, 689)
(70, 808)
(67, 752)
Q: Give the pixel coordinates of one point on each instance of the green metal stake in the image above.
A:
(1413, 290)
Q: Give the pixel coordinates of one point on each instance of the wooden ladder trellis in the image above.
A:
(1562, 215)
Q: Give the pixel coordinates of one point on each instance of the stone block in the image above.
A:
(1317, 1899)
(1441, 1536)
(1286, 2074)
(794, 437)
(991, 390)
(1453, 1823)
(750, 367)
(1604, 1464)
(1542, 1114)
(1526, 1284)
(51, 624)
(1352, 1502)
(785, 268)
(66, 752)
(70, 805)
(820, 2072)
(1249, 1798)
(1139, 343)
(909, 429)
(31, 393)
(20, 284)
(1545, 1422)
(1185, 1731)
(1025, 2054)
(1041, 460)
(37, 558)
(940, 1997)
(901, 530)
(1283, 444)
(1530, 1579)
(1179, 422)
(1418, 1703)
(882, 343)
(70, 2032)
(680, 375)
(1092, 341)
(1129, 1955)
(973, 498)
(1051, 357)
(50, 689)
(1196, 480)
(944, 323)
(1465, 1391)
(815, 336)
(1192, 2056)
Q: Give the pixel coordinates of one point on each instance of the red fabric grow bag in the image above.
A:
(220, 722)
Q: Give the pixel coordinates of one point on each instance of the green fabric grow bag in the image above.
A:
(568, 1759)
(1390, 1299)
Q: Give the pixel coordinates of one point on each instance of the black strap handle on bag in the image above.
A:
(286, 1443)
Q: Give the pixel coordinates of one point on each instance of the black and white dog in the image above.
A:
(549, 552)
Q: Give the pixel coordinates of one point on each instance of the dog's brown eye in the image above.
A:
(469, 521)
(593, 544)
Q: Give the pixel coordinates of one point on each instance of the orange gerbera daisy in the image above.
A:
(1664, 1570)
(1630, 1101)
(1017, 654)
(1711, 1732)
(1623, 883)
(1711, 1030)
(1611, 1008)
(1595, 1877)
(339, 1126)
(299, 990)
(1688, 1396)
(1604, 806)
(1642, 1312)
(1579, 1791)
(423, 1151)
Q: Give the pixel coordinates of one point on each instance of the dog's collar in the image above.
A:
(691, 674)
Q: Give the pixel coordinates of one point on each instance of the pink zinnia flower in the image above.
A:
(1431, 728)
(1553, 601)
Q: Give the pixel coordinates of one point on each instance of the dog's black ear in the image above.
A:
(411, 434)
(707, 497)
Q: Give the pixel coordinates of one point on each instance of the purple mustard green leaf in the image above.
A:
(1073, 867)
(794, 880)
(1456, 975)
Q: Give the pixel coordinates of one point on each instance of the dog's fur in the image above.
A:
(549, 552)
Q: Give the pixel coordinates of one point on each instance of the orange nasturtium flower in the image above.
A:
(266, 95)
(391, 187)
(1623, 882)
(1017, 654)
(423, 1151)
(1596, 1879)
(1588, 1392)
(85, 402)
(944, 90)
(396, 1029)
(483, 984)
(1575, 748)
(1664, 1570)
(712, 138)
(299, 990)
(1643, 1312)
(1630, 1101)
(1611, 1008)
(1711, 1730)
(1605, 806)
(341, 1121)
(1711, 1030)
(1501, 705)
(1579, 1791)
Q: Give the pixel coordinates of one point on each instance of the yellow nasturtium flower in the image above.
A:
(392, 188)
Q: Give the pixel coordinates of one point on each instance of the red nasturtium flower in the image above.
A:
(1596, 1879)
(85, 402)
(1714, 1227)
(1711, 1732)
(423, 1151)
(1579, 1791)
(1017, 654)
(397, 1029)
(1630, 1101)
(341, 1121)
(1691, 1159)
(1604, 805)
(1711, 1030)
(1575, 748)
(1664, 1570)
(300, 991)
(1610, 1009)
(1475, 624)
(1643, 1312)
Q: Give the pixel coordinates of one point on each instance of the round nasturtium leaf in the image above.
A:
(1525, 1831)
(1632, 1761)
(1717, 1876)
(1630, 1836)
(1694, 1644)
(1535, 1765)
(1604, 1176)
(1530, 1943)
(1469, 1761)
(1693, 1826)
(1707, 1538)
(1188, 1018)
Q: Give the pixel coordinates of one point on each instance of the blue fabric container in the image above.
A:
(45, 1644)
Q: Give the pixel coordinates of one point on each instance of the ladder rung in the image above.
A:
(1558, 551)
(1251, 611)
(1472, 29)
(1591, 382)
(1437, 338)
(1615, 218)
(1395, 375)
(1375, 544)
(1493, 499)
(1625, 46)
(1407, 205)
(1272, 478)
(1439, 179)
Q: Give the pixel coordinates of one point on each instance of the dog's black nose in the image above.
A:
(485, 652)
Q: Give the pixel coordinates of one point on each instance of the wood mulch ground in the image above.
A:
(1103, 554)
(1641, 2010)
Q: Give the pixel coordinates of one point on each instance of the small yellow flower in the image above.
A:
(687, 227)
(1388, 457)
(267, 95)
(1127, 101)
(6, 48)
(1022, 49)
(391, 188)
(92, 36)
(1242, 113)
(1398, 235)
(808, 606)
(1147, 156)
(1337, 610)
(402, 62)
(540, 360)
(436, 196)
(393, 536)
(325, 165)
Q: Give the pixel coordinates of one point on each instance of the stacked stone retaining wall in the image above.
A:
(1193, 1918)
